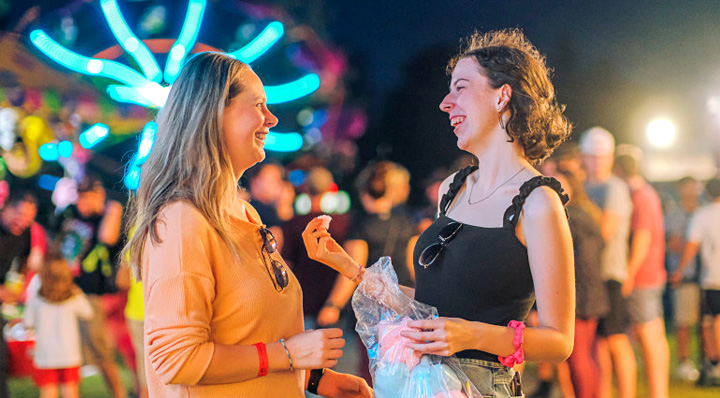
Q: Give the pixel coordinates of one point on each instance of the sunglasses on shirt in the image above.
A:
(269, 247)
(432, 252)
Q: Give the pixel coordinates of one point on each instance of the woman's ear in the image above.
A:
(504, 97)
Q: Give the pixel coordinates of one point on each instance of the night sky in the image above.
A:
(658, 49)
(616, 63)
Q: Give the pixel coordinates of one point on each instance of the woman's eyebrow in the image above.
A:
(455, 83)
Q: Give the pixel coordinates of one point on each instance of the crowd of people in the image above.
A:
(233, 290)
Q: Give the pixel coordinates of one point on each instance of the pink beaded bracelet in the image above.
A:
(518, 356)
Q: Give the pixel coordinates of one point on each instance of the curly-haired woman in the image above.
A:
(501, 240)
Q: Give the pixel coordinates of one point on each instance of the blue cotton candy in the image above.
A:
(390, 379)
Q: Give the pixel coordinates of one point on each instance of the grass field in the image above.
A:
(93, 386)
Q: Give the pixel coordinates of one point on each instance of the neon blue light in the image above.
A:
(65, 149)
(49, 152)
(293, 90)
(283, 142)
(47, 182)
(92, 136)
(186, 40)
(128, 95)
(129, 42)
(132, 178)
(146, 143)
(86, 65)
(259, 45)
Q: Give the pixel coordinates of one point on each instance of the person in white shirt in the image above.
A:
(704, 236)
(54, 312)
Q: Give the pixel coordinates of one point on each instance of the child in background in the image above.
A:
(53, 312)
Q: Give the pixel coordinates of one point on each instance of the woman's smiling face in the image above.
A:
(472, 105)
(246, 123)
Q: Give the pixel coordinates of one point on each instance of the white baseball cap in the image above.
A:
(597, 141)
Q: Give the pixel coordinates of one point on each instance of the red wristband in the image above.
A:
(518, 356)
(262, 353)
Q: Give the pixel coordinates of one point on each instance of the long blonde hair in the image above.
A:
(189, 160)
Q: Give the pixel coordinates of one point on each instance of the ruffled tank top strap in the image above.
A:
(512, 214)
(454, 188)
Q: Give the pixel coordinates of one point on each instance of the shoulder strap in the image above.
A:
(512, 214)
(454, 188)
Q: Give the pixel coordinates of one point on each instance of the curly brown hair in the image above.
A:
(507, 57)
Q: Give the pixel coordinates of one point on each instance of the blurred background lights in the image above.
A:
(94, 135)
(146, 142)
(328, 202)
(47, 182)
(94, 66)
(177, 52)
(245, 31)
(65, 149)
(305, 117)
(296, 177)
(302, 204)
(342, 205)
(313, 136)
(713, 107)
(661, 133)
(283, 142)
(49, 152)
(132, 178)
(335, 202)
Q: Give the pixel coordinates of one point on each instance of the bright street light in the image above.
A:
(661, 133)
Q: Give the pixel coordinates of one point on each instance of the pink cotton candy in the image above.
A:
(325, 221)
(392, 344)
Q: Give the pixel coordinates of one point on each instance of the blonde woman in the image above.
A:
(223, 313)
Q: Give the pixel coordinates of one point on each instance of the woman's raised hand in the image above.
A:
(314, 349)
(322, 247)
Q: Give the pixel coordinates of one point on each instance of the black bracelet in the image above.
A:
(314, 381)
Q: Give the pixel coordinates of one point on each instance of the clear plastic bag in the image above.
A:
(383, 311)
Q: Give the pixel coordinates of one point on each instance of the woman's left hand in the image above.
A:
(342, 385)
(441, 336)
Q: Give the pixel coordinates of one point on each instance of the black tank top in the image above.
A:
(483, 274)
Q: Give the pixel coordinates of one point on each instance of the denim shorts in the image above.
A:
(492, 379)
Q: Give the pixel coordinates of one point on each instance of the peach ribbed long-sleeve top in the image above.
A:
(197, 294)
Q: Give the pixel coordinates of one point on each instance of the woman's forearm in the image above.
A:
(236, 363)
(408, 291)
(540, 344)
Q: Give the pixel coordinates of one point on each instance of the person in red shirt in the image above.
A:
(646, 270)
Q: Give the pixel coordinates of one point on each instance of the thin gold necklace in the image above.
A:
(472, 186)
